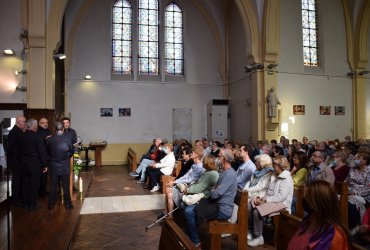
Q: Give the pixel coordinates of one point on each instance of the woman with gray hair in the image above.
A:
(260, 180)
(280, 190)
(258, 184)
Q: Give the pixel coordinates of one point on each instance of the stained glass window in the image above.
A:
(174, 46)
(148, 37)
(309, 28)
(121, 37)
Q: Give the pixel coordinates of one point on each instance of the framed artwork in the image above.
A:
(325, 110)
(339, 110)
(298, 109)
(106, 112)
(122, 112)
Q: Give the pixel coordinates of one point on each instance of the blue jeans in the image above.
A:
(142, 168)
(191, 222)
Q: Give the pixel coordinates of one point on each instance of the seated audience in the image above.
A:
(173, 194)
(186, 162)
(215, 150)
(208, 179)
(259, 182)
(340, 169)
(362, 235)
(223, 193)
(299, 169)
(164, 167)
(280, 190)
(245, 171)
(358, 189)
(319, 171)
(322, 228)
(153, 157)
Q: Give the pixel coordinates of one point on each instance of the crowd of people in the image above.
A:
(212, 173)
(33, 153)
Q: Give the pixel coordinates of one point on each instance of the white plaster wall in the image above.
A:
(240, 113)
(10, 26)
(151, 102)
(312, 87)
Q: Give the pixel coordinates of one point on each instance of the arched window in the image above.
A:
(310, 32)
(121, 37)
(148, 37)
(174, 44)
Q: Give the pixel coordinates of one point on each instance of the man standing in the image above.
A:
(13, 159)
(32, 156)
(60, 151)
(246, 170)
(69, 132)
(44, 132)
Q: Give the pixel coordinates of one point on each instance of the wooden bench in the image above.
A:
(165, 179)
(173, 238)
(216, 228)
(132, 159)
(285, 230)
(341, 189)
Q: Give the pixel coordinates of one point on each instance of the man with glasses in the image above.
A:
(319, 171)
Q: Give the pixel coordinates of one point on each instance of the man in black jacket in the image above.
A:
(44, 132)
(60, 151)
(13, 159)
(33, 156)
(69, 132)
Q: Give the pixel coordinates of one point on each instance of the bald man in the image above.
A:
(44, 132)
(13, 159)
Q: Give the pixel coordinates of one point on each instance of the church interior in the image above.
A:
(243, 70)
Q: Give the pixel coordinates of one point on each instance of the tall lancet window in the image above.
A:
(310, 33)
(121, 37)
(148, 37)
(174, 44)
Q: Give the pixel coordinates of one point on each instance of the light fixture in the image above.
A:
(87, 77)
(251, 67)
(21, 88)
(22, 72)
(9, 52)
(352, 74)
(365, 72)
(272, 65)
(60, 56)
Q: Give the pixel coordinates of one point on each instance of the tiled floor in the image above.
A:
(115, 204)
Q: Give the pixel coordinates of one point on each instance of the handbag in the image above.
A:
(191, 199)
(207, 209)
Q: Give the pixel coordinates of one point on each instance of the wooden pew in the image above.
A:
(299, 194)
(341, 189)
(173, 238)
(285, 230)
(132, 159)
(168, 178)
(240, 228)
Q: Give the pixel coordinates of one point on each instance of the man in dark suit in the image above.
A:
(32, 156)
(44, 132)
(69, 132)
(60, 151)
(13, 159)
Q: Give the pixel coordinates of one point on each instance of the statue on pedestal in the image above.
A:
(272, 101)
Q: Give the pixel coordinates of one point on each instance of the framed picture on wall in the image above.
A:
(124, 112)
(298, 109)
(325, 110)
(106, 112)
(339, 110)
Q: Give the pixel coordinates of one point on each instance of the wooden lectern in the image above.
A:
(98, 146)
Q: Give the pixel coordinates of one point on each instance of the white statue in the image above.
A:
(273, 101)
